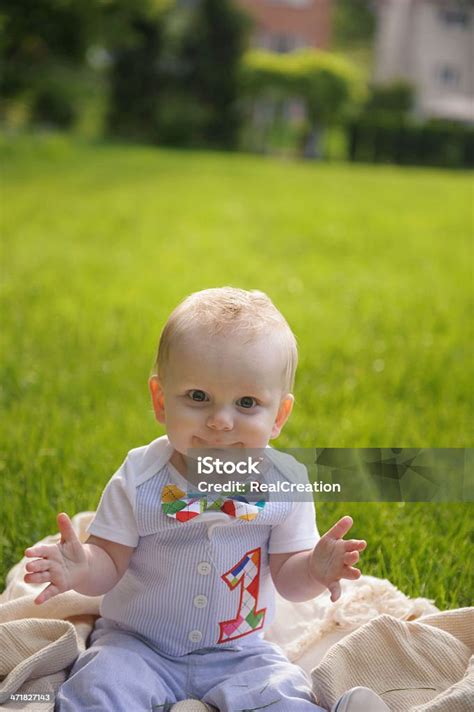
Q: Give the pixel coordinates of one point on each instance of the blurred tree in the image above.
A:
(331, 89)
(354, 22)
(171, 69)
(43, 44)
(134, 79)
(211, 50)
(176, 80)
(327, 84)
(46, 46)
(36, 34)
(353, 31)
(396, 99)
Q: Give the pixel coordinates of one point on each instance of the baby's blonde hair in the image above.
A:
(228, 309)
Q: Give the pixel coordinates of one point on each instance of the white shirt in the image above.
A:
(200, 583)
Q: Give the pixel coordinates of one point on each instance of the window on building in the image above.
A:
(455, 17)
(283, 43)
(262, 39)
(449, 77)
(294, 3)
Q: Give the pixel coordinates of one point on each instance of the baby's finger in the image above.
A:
(34, 551)
(40, 577)
(335, 590)
(340, 528)
(37, 565)
(354, 544)
(68, 533)
(47, 593)
(351, 557)
(351, 573)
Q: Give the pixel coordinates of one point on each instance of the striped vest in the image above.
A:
(195, 585)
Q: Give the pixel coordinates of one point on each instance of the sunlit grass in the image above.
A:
(371, 266)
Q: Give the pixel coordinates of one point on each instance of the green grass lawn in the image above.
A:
(371, 265)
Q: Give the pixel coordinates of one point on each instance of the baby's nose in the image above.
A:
(220, 419)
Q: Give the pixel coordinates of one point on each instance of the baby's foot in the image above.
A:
(360, 699)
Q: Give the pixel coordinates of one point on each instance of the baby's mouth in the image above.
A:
(217, 445)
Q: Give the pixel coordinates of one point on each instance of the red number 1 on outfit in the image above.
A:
(248, 619)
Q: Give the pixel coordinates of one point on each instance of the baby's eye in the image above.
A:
(197, 395)
(246, 402)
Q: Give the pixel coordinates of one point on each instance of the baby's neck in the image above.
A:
(179, 463)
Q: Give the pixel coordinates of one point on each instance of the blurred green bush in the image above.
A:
(328, 88)
(387, 140)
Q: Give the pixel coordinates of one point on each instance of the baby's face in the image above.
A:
(221, 392)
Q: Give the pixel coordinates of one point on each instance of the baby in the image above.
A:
(189, 586)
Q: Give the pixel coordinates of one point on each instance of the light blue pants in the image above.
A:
(121, 672)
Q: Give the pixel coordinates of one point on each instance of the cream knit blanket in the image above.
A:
(427, 665)
(38, 644)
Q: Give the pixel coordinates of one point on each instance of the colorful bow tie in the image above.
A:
(175, 504)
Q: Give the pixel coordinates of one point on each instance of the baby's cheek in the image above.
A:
(258, 431)
(183, 417)
(180, 427)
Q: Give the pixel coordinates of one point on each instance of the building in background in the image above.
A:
(287, 25)
(429, 43)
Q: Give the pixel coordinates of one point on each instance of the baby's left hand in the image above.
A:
(333, 557)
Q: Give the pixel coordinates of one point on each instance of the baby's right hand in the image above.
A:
(64, 565)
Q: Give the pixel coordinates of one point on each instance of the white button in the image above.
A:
(195, 636)
(200, 601)
(204, 568)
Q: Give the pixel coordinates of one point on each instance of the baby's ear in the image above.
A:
(158, 398)
(284, 412)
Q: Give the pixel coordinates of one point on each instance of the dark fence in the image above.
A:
(449, 145)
